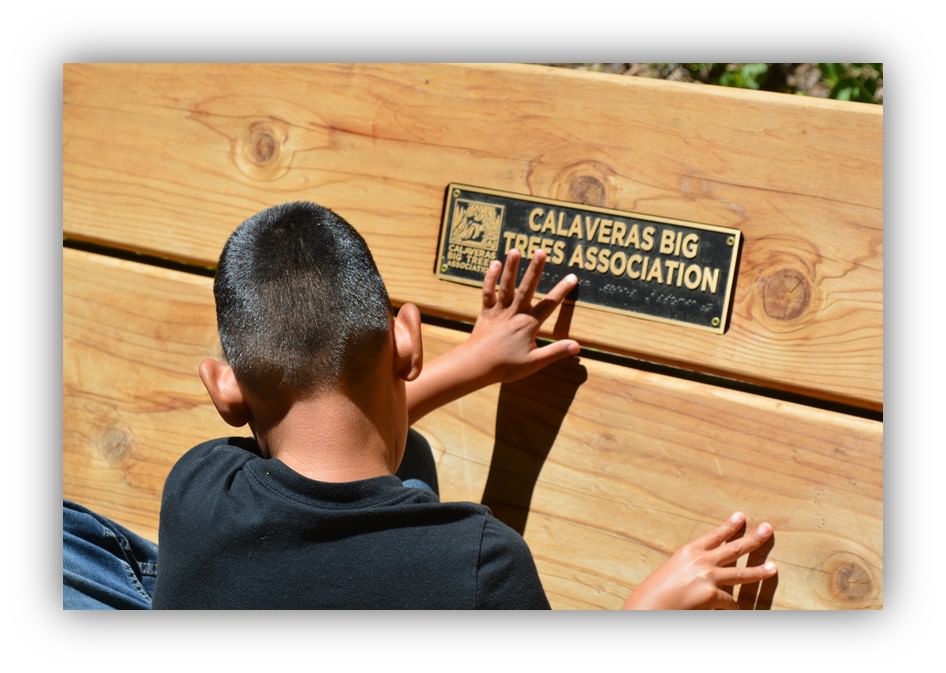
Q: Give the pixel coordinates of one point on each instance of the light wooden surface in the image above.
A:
(133, 336)
(170, 158)
(607, 469)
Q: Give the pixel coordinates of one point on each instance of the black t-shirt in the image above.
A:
(242, 531)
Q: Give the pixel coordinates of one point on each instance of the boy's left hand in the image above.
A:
(695, 576)
(503, 337)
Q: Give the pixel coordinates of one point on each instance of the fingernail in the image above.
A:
(736, 517)
(574, 348)
(764, 529)
(571, 278)
(769, 567)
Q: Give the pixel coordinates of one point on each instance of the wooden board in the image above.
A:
(606, 469)
(132, 339)
(168, 159)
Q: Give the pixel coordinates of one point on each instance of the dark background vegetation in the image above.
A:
(862, 82)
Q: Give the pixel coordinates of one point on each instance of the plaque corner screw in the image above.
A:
(715, 322)
(444, 268)
(731, 240)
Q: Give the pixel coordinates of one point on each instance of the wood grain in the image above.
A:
(606, 469)
(133, 336)
(168, 159)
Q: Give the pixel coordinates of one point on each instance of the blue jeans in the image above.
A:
(418, 469)
(105, 566)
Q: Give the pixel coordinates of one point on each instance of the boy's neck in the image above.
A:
(328, 437)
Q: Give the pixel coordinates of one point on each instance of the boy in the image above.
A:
(310, 513)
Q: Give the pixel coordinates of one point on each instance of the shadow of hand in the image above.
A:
(528, 419)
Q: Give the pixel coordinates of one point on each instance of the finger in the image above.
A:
(557, 350)
(729, 577)
(736, 534)
(507, 284)
(733, 550)
(489, 283)
(530, 280)
(721, 533)
(556, 295)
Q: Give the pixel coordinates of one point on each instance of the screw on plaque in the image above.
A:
(456, 192)
(715, 322)
(731, 240)
(444, 268)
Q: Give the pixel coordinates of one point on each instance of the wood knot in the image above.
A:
(844, 580)
(113, 444)
(584, 181)
(850, 581)
(786, 294)
(257, 130)
(262, 150)
(587, 189)
(261, 146)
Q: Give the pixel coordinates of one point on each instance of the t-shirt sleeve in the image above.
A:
(199, 477)
(506, 575)
(188, 512)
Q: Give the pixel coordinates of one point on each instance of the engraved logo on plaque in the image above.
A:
(474, 237)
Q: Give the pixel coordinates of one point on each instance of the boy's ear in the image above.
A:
(408, 344)
(224, 391)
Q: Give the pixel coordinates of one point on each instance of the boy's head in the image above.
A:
(301, 306)
(303, 315)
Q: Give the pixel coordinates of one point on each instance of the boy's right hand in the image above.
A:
(502, 347)
(504, 336)
(692, 578)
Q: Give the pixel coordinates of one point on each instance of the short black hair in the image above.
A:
(300, 303)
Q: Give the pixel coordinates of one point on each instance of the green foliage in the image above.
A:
(861, 82)
(842, 81)
(853, 81)
(745, 76)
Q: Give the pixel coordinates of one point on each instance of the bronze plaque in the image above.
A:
(648, 267)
